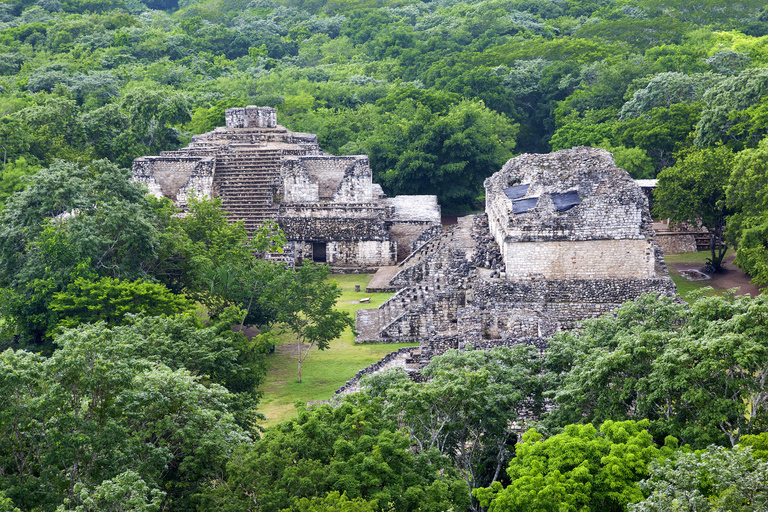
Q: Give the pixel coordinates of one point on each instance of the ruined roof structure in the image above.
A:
(328, 206)
(566, 236)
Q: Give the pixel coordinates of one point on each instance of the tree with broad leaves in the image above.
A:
(467, 407)
(747, 195)
(582, 469)
(350, 447)
(693, 190)
(304, 301)
(699, 373)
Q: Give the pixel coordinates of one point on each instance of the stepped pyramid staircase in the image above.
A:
(426, 277)
(244, 178)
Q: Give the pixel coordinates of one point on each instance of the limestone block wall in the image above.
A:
(316, 224)
(298, 186)
(676, 243)
(251, 117)
(349, 254)
(176, 177)
(487, 293)
(364, 253)
(609, 206)
(345, 179)
(406, 234)
(411, 217)
(588, 259)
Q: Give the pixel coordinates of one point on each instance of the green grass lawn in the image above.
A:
(696, 260)
(323, 371)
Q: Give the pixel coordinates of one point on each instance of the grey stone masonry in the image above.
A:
(251, 117)
(327, 205)
(565, 237)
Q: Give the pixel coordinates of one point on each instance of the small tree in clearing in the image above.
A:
(305, 302)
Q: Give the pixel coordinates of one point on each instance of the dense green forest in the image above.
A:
(122, 384)
(438, 94)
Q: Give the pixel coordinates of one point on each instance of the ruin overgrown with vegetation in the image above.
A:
(136, 328)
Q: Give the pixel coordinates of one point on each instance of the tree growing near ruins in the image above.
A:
(350, 447)
(467, 406)
(582, 468)
(304, 301)
(748, 196)
(696, 373)
(693, 190)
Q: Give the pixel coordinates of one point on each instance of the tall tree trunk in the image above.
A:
(298, 355)
(717, 253)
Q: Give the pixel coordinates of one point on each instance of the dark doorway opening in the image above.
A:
(318, 252)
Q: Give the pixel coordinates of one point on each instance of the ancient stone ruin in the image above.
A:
(566, 236)
(328, 206)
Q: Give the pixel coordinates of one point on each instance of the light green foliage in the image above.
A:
(109, 300)
(332, 502)
(6, 505)
(125, 492)
(305, 302)
(467, 406)
(712, 480)
(349, 448)
(633, 160)
(594, 128)
(757, 443)
(693, 190)
(731, 114)
(581, 469)
(13, 177)
(697, 374)
(95, 410)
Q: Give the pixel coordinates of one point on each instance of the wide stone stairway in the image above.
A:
(423, 279)
(243, 178)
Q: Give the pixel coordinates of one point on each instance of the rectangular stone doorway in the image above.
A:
(319, 252)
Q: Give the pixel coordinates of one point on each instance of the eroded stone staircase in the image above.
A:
(410, 314)
(244, 179)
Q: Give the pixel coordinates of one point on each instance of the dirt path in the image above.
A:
(733, 277)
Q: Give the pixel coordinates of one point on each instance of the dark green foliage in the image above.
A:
(350, 448)
(71, 221)
(696, 374)
(467, 406)
(418, 151)
(693, 190)
(96, 409)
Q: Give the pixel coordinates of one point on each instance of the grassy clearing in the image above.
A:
(685, 286)
(696, 260)
(323, 371)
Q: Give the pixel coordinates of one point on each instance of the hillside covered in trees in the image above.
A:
(439, 94)
(122, 384)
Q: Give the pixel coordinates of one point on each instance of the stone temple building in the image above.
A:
(328, 206)
(566, 236)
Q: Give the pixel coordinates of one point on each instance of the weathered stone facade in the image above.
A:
(566, 237)
(328, 206)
